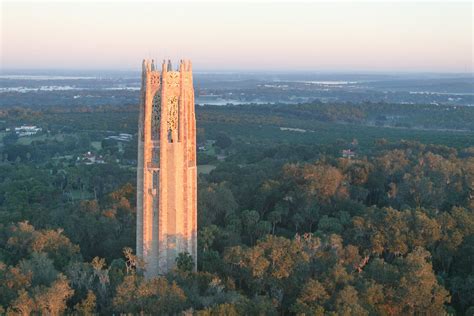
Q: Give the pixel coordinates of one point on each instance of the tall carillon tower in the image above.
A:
(166, 173)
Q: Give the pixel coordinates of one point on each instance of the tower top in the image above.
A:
(149, 65)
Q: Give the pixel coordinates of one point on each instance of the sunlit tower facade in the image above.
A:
(166, 171)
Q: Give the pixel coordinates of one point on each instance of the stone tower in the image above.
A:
(166, 171)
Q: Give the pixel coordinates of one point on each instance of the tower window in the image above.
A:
(156, 116)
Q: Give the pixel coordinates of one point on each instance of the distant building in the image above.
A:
(27, 130)
(291, 129)
(122, 137)
(89, 159)
(348, 153)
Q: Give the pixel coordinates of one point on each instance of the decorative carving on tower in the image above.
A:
(172, 113)
(166, 171)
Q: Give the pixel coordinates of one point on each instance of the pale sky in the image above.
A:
(338, 36)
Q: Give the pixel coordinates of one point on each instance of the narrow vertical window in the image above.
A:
(156, 117)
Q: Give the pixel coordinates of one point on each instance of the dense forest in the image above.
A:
(288, 225)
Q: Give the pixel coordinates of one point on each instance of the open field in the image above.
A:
(27, 140)
(96, 145)
(205, 169)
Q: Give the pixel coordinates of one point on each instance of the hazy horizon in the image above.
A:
(196, 70)
(246, 37)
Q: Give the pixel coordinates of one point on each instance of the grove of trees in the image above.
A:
(286, 227)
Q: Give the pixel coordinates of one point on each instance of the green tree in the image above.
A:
(154, 296)
(185, 262)
(223, 140)
(87, 306)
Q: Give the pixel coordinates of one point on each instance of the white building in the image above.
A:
(27, 130)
